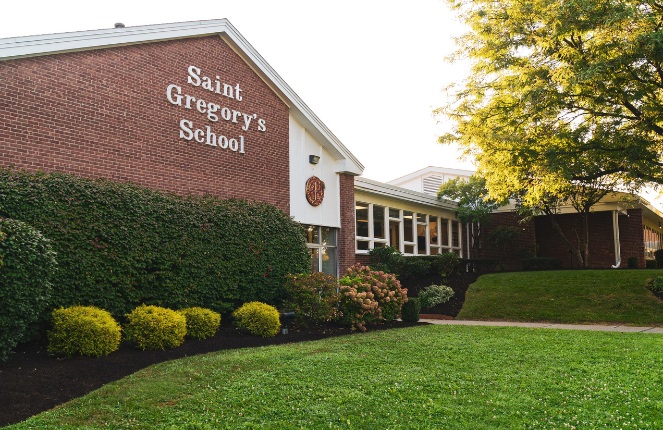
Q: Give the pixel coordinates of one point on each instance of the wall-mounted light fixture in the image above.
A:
(314, 159)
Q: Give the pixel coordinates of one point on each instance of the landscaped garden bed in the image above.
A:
(32, 381)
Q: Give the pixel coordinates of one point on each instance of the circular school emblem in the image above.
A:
(315, 190)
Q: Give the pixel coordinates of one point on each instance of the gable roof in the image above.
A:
(31, 46)
(428, 171)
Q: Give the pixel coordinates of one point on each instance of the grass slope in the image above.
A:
(422, 377)
(577, 296)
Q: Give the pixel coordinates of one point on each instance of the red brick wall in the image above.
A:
(104, 113)
(632, 237)
(346, 240)
(601, 241)
(510, 253)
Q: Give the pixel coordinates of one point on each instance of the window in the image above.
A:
(412, 233)
(321, 242)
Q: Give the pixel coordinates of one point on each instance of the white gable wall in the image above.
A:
(302, 144)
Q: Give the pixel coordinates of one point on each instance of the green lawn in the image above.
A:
(428, 377)
(577, 296)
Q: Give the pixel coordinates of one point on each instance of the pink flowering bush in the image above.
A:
(367, 295)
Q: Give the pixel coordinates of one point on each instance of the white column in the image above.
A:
(615, 235)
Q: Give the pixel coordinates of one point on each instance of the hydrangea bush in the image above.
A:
(367, 295)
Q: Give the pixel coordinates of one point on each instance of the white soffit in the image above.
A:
(31, 46)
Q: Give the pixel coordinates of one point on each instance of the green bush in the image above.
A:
(411, 309)
(154, 327)
(542, 263)
(445, 264)
(201, 323)
(658, 255)
(389, 259)
(651, 264)
(120, 245)
(632, 262)
(28, 265)
(313, 297)
(83, 330)
(434, 295)
(367, 295)
(258, 318)
(385, 258)
(657, 285)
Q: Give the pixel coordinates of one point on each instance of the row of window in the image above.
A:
(410, 232)
(652, 241)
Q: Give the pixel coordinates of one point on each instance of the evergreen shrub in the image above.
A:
(389, 259)
(632, 262)
(657, 285)
(434, 295)
(28, 266)
(258, 318)
(411, 309)
(154, 327)
(658, 255)
(201, 323)
(651, 264)
(120, 245)
(313, 297)
(83, 330)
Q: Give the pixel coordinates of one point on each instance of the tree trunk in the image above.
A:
(574, 249)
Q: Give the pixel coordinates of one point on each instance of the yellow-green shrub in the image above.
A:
(154, 327)
(201, 323)
(258, 318)
(83, 330)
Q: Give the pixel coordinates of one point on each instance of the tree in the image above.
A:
(561, 94)
(581, 198)
(474, 205)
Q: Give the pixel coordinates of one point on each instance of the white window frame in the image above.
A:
(386, 241)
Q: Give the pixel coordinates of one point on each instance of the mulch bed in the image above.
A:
(31, 381)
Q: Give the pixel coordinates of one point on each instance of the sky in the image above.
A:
(372, 71)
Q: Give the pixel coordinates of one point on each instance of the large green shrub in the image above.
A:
(658, 255)
(154, 327)
(201, 323)
(120, 245)
(313, 297)
(411, 309)
(389, 259)
(258, 318)
(83, 330)
(28, 265)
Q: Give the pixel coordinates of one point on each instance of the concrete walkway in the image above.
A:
(613, 328)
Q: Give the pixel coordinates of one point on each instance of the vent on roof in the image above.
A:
(119, 25)
(432, 184)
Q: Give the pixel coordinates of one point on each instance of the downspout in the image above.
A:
(615, 235)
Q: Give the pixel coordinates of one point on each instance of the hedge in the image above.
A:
(28, 264)
(120, 245)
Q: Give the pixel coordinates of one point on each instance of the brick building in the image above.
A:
(192, 108)
(189, 108)
(621, 226)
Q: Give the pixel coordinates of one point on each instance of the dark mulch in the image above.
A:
(458, 282)
(32, 381)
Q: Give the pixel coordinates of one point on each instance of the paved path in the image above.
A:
(614, 328)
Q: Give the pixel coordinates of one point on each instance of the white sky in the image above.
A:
(372, 70)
